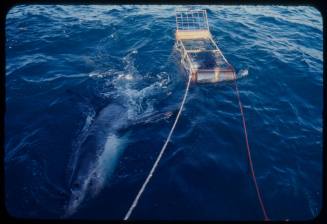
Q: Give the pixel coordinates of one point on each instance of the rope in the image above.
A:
(136, 200)
(249, 153)
(139, 194)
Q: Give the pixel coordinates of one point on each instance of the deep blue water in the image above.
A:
(64, 64)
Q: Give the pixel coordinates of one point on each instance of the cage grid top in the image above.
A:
(192, 20)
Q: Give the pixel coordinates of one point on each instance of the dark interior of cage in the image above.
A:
(208, 60)
(198, 44)
(204, 54)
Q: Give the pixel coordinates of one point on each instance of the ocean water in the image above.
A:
(92, 92)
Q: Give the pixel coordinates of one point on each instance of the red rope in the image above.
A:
(249, 153)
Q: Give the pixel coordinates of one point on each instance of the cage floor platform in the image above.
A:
(201, 56)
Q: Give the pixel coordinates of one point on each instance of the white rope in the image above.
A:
(128, 214)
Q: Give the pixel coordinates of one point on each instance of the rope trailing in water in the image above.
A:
(249, 153)
(136, 200)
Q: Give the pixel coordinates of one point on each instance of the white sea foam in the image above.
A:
(242, 73)
(138, 101)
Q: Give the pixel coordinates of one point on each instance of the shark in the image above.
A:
(98, 150)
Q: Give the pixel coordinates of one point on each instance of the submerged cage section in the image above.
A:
(200, 55)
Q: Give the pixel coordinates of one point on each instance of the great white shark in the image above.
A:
(96, 155)
(98, 149)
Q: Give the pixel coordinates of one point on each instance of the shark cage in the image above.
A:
(200, 55)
